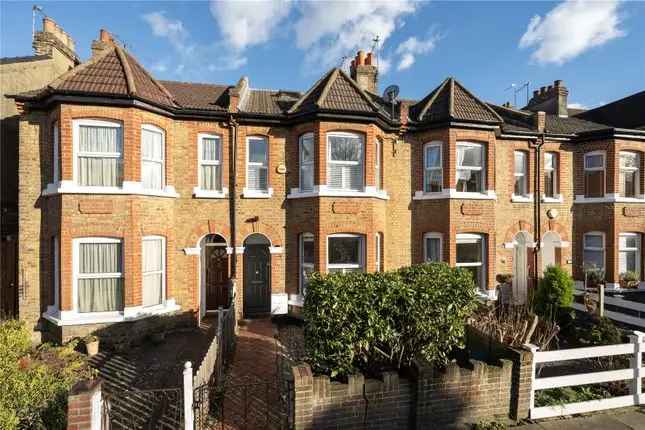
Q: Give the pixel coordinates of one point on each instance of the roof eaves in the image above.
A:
(483, 104)
(432, 99)
(305, 95)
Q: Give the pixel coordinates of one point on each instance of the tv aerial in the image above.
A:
(390, 94)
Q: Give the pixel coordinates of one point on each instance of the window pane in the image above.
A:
(152, 266)
(99, 139)
(152, 255)
(100, 295)
(469, 252)
(433, 156)
(151, 145)
(307, 149)
(211, 149)
(594, 161)
(345, 177)
(152, 175)
(476, 273)
(307, 177)
(152, 289)
(520, 162)
(308, 251)
(99, 171)
(549, 184)
(257, 179)
(520, 186)
(593, 241)
(433, 181)
(433, 249)
(100, 258)
(628, 183)
(211, 178)
(629, 160)
(344, 250)
(345, 148)
(549, 160)
(257, 151)
(469, 181)
(594, 258)
(469, 156)
(595, 184)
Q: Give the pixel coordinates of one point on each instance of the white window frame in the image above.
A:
(303, 237)
(162, 161)
(361, 252)
(201, 162)
(637, 187)
(360, 162)
(56, 263)
(637, 250)
(594, 248)
(554, 173)
(301, 163)
(76, 125)
(482, 168)
(55, 153)
(468, 238)
(162, 271)
(427, 170)
(378, 165)
(524, 175)
(76, 272)
(603, 169)
(432, 235)
(253, 192)
(377, 249)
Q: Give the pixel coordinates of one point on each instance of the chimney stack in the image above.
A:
(552, 99)
(364, 72)
(105, 41)
(51, 37)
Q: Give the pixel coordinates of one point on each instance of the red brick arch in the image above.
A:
(247, 228)
(515, 228)
(555, 226)
(209, 227)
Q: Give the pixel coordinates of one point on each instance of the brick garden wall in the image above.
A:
(429, 397)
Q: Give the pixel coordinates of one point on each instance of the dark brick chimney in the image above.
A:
(104, 42)
(364, 72)
(551, 99)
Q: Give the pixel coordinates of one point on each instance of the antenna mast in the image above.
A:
(375, 42)
(34, 9)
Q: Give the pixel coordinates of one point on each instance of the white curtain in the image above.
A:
(152, 154)
(94, 169)
(345, 169)
(462, 175)
(152, 271)
(306, 163)
(211, 178)
(258, 176)
(98, 293)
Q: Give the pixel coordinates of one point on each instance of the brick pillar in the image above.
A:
(82, 405)
(303, 397)
(521, 388)
(422, 409)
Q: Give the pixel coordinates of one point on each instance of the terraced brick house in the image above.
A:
(142, 197)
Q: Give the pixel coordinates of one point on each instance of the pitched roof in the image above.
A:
(114, 73)
(335, 91)
(628, 112)
(198, 96)
(451, 100)
(269, 102)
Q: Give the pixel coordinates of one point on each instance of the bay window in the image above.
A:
(629, 253)
(432, 168)
(307, 162)
(595, 174)
(378, 161)
(432, 247)
(550, 174)
(378, 250)
(210, 162)
(152, 157)
(306, 253)
(521, 173)
(55, 153)
(471, 255)
(257, 167)
(99, 153)
(470, 167)
(345, 253)
(345, 162)
(629, 174)
(98, 273)
(593, 254)
(153, 270)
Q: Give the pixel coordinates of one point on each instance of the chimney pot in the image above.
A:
(368, 59)
(49, 26)
(558, 83)
(542, 90)
(536, 93)
(550, 87)
(361, 58)
(105, 36)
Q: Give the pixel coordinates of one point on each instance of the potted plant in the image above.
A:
(91, 344)
(594, 276)
(504, 278)
(629, 279)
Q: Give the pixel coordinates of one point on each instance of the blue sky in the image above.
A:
(597, 48)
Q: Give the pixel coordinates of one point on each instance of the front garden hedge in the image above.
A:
(371, 322)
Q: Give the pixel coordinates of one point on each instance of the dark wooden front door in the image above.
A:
(257, 280)
(216, 280)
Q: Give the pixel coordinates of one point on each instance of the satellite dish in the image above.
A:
(390, 94)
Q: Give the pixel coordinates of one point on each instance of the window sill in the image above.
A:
(324, 191)
(256, 194)
(522, 199)
(65, 318)
(557, 199)
(210, 194)
(610, 198)
(130, 188)
(451, 193)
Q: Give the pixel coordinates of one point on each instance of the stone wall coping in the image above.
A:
(86, 386)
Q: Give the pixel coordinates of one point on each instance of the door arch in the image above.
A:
(550, 250)
(521, 242)
(257, 275)
(214, 273)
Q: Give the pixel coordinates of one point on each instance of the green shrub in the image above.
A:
(489, 425)
(34, 382)
(555, 291)
(375, 321)
(604, 332)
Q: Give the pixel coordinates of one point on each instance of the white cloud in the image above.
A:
(412, 47)
(572, 28)
(248, 23)
(330, 30)
(159, 67)
(171, 29)
(577, 106)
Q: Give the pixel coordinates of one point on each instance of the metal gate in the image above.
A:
(143, 409)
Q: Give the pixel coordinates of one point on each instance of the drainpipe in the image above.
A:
(232, 192)
(537, 204)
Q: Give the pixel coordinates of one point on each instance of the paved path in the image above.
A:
(629, 419)
(252, 392)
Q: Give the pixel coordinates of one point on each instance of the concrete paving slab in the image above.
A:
(635, 419)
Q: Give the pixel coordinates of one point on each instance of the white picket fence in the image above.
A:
(637, 321)
(635, 373)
